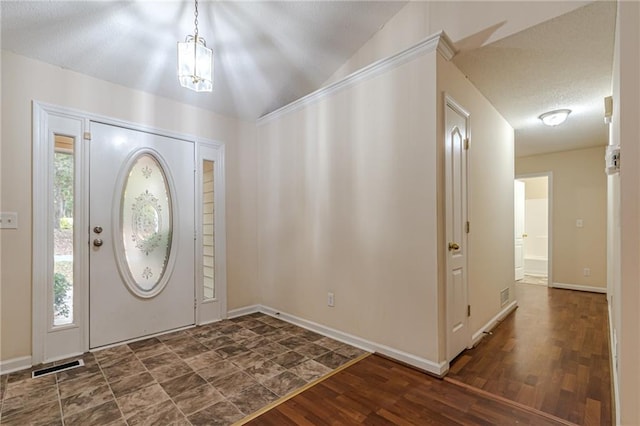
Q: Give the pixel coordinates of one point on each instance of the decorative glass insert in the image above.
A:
(147, 224)
(208, 230)
(63, 201)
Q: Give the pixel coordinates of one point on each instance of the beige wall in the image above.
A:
(490, 194)
(536, 188)
(347, 204)
(25, 80)
(468, 23)
(579, 191)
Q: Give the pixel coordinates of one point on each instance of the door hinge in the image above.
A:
(468, 227)
(87, 136)
(466, 143)
(468, 310)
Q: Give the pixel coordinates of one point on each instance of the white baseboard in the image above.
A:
(245, 310)
(614, 368)
(15, 364)
(579, 287)
(438, 369)
(490, 325)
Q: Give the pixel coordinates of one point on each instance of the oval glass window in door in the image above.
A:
(147, 224)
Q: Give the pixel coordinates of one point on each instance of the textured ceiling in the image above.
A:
(267, 54)
(562, 63)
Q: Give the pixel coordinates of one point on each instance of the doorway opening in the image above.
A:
(532, 228)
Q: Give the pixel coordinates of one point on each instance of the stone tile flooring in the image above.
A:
(215, 374)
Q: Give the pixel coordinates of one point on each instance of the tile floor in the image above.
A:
(215, 374)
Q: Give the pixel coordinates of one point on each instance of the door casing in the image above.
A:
(457, 318)
(54, 343)
(549, 176)
(519, 212)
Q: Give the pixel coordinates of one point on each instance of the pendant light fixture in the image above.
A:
(195, 61)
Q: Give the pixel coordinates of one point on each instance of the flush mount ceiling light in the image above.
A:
(195, 61)
(555, 118)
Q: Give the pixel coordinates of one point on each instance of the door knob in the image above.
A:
(97, 229)
(453, 246)
(524, 235)
(97, 242)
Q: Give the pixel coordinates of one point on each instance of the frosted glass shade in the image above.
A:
(195, 65)
(555, 118)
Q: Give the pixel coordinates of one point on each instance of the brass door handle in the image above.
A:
(524, 235)
(453, 246)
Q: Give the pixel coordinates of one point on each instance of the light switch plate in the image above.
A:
(579, 223)
(8, 220)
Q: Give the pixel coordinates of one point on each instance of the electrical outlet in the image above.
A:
(586, 272)
(579, 223)
(330, 300)
(8, 220)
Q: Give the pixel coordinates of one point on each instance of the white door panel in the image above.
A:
(456, 127)
(142, 273)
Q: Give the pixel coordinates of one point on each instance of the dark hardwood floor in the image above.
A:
(551, 354)
(378, 391)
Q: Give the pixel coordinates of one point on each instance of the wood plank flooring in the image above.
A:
(551, 354)
(379, 391)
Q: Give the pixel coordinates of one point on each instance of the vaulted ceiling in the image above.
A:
(267, 53)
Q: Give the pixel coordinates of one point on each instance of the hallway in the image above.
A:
(551, 354)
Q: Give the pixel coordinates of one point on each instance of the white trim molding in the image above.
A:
(579, 287)
(435, 368)
(245, 310)
(613, 364)
(439, 42)
(15, 364)
(493, 322)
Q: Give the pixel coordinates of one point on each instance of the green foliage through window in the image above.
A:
(60, 288)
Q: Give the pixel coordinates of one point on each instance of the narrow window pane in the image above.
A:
(208, 248)
(63, 231)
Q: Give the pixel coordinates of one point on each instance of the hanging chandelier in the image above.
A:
(195, 61)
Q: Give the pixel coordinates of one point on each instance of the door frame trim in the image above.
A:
(549, 175)
(49, 343)
(42, 249)
(204, 313)
(449, 101)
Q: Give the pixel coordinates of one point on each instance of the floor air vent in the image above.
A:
(504, 296)
(57, 368)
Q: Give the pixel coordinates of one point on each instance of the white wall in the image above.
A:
(579, 192)
(347, 204)
(624, 289)
(490, 195)
(25, 80)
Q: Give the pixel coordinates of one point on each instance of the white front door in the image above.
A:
(519, 209)
(456, 143)
(141, 218)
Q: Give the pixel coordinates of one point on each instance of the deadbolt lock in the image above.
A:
(97, 229)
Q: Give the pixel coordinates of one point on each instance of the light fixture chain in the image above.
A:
(195, 21)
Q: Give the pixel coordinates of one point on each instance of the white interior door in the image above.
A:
(456, 143)
(141, 210)
(519, 209)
